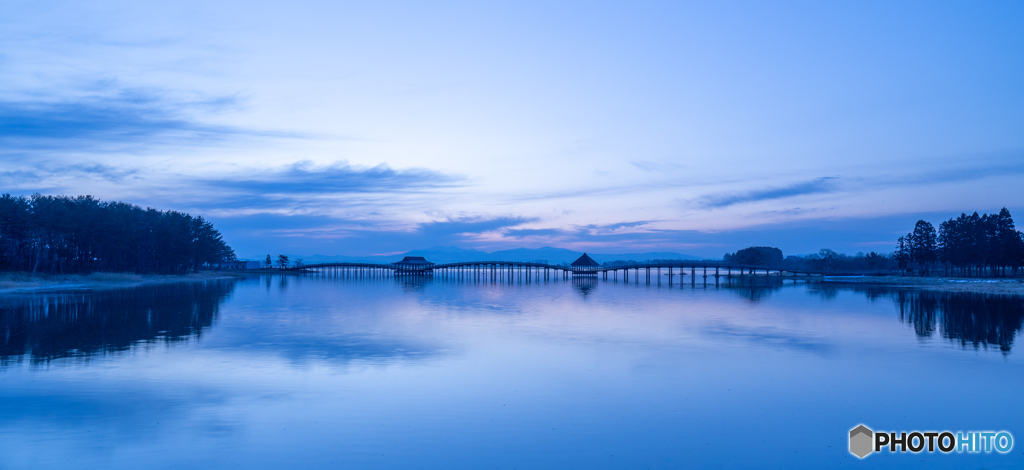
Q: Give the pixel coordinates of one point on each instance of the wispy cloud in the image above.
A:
(107, 172)
(469, 225)
(340, 177)
(312, 234)
(42, 176)
(649, 166)
(980, 167)
(720, 200)
(576, 232)
(535, 232)
(114, 118)
(616, 226)
(338, 188)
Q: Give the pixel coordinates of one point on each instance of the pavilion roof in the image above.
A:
(414, 260)
(585, 261)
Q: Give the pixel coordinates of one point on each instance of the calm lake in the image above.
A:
(326, 372)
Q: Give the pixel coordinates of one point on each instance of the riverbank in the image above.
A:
(944, 284)
(20, 282)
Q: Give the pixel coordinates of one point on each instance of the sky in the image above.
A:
(341, 128)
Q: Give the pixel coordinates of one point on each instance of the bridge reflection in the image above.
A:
(584, 284)
(47, 326)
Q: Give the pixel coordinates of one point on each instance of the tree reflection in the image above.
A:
(973, 320)
(49, 326)
(753, 288)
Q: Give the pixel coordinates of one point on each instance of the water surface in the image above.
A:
(324, 372)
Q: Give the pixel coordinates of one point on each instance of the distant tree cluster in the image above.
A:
(826, 260)
(63, 234)
(618, 262)
(969, 245)
(756, 256)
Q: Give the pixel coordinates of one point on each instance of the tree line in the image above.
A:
(829, 261)
(825, 260)
(969, 245)
(64, 234)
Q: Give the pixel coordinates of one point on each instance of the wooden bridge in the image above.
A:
(527, 271)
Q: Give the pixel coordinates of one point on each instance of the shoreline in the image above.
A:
(24, 283)
(1001, 286)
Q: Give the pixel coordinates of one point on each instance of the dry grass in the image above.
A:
(1012, 286)
(115, 277)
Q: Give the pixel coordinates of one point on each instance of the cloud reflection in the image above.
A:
(770, 337)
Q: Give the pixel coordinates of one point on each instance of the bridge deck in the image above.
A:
(706, 269)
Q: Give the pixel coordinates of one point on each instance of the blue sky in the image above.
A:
(380, 127)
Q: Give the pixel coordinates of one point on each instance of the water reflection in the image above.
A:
(584, 285)
(425, 372)
(753, 288)
(759, 288)
(413, 283)
(973, 320)
(48, 326)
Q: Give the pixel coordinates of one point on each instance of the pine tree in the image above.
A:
(973, 244)
(923, 244)
(61, 234)
(902, 253)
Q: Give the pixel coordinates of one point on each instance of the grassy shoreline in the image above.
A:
(21, 282)
(1004, 286)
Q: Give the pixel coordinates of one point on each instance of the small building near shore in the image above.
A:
(584, 266)
(413, 264)
(240, 265)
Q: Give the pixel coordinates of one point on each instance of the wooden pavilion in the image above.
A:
(584, 266)
(413, 264)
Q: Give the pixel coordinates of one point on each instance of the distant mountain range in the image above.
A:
(451, 254)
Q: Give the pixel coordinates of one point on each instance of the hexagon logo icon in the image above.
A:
(861, 441)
